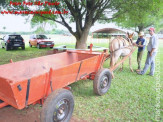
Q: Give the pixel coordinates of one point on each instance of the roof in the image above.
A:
(109, 30)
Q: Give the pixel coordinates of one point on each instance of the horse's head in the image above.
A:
(130, 36)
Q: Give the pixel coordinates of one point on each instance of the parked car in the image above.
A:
(40, 41)
(12, 41)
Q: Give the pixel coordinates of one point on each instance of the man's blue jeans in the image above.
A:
(150, 61)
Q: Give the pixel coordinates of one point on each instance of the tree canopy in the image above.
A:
(141, 15)
(84, 14)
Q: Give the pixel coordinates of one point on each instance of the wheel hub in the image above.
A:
(104, 82)
(62, 111)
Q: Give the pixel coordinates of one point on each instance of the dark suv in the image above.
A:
(12, 41)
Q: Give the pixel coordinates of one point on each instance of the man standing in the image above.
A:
(152, 50)
(140, 43)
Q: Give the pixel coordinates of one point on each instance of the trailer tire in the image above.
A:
(102, 81)
(58, 107)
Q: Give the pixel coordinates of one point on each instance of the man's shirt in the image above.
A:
(153, 43)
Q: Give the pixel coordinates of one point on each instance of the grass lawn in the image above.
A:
(131, 97)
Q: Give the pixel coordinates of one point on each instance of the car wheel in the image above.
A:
(38, 46)
(51, 47)
(23, 48)
(30, 44)
(58, 107)
(102, 81)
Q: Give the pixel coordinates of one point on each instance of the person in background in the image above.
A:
(140, 43)
(152, 51)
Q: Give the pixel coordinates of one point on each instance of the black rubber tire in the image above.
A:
(51, 47)
(102, 81)
(30, 44)
(23, 48)
(53, 104)
(38, 46)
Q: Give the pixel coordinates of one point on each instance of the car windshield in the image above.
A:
(41, 37)
(15, 37)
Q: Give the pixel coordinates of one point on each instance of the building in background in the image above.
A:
(108, 33)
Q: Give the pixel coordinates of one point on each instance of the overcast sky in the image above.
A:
(18, 23)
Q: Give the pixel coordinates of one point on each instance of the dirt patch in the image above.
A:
(30, 114)
(10, 114)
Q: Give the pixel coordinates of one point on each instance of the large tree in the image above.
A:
(141, 15)
(83, 13)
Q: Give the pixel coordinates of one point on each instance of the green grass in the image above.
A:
(131, 97)
(17, 55)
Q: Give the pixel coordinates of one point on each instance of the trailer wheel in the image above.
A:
(58, 107)
(102, 81)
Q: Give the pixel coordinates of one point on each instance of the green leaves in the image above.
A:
(139, 14)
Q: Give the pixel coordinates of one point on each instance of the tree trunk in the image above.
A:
(81, 41)
(140, 29)
(80, 44)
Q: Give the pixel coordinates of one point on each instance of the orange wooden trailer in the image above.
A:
(45, 80)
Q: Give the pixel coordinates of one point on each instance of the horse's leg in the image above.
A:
(130, 64)
(112, 74)
(115, 57)
(121, 68)
(112, 62)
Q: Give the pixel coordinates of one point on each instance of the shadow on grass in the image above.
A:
(83, 88)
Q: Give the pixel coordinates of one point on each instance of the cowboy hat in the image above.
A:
(141, 34)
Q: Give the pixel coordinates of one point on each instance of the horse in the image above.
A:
(120, 47)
